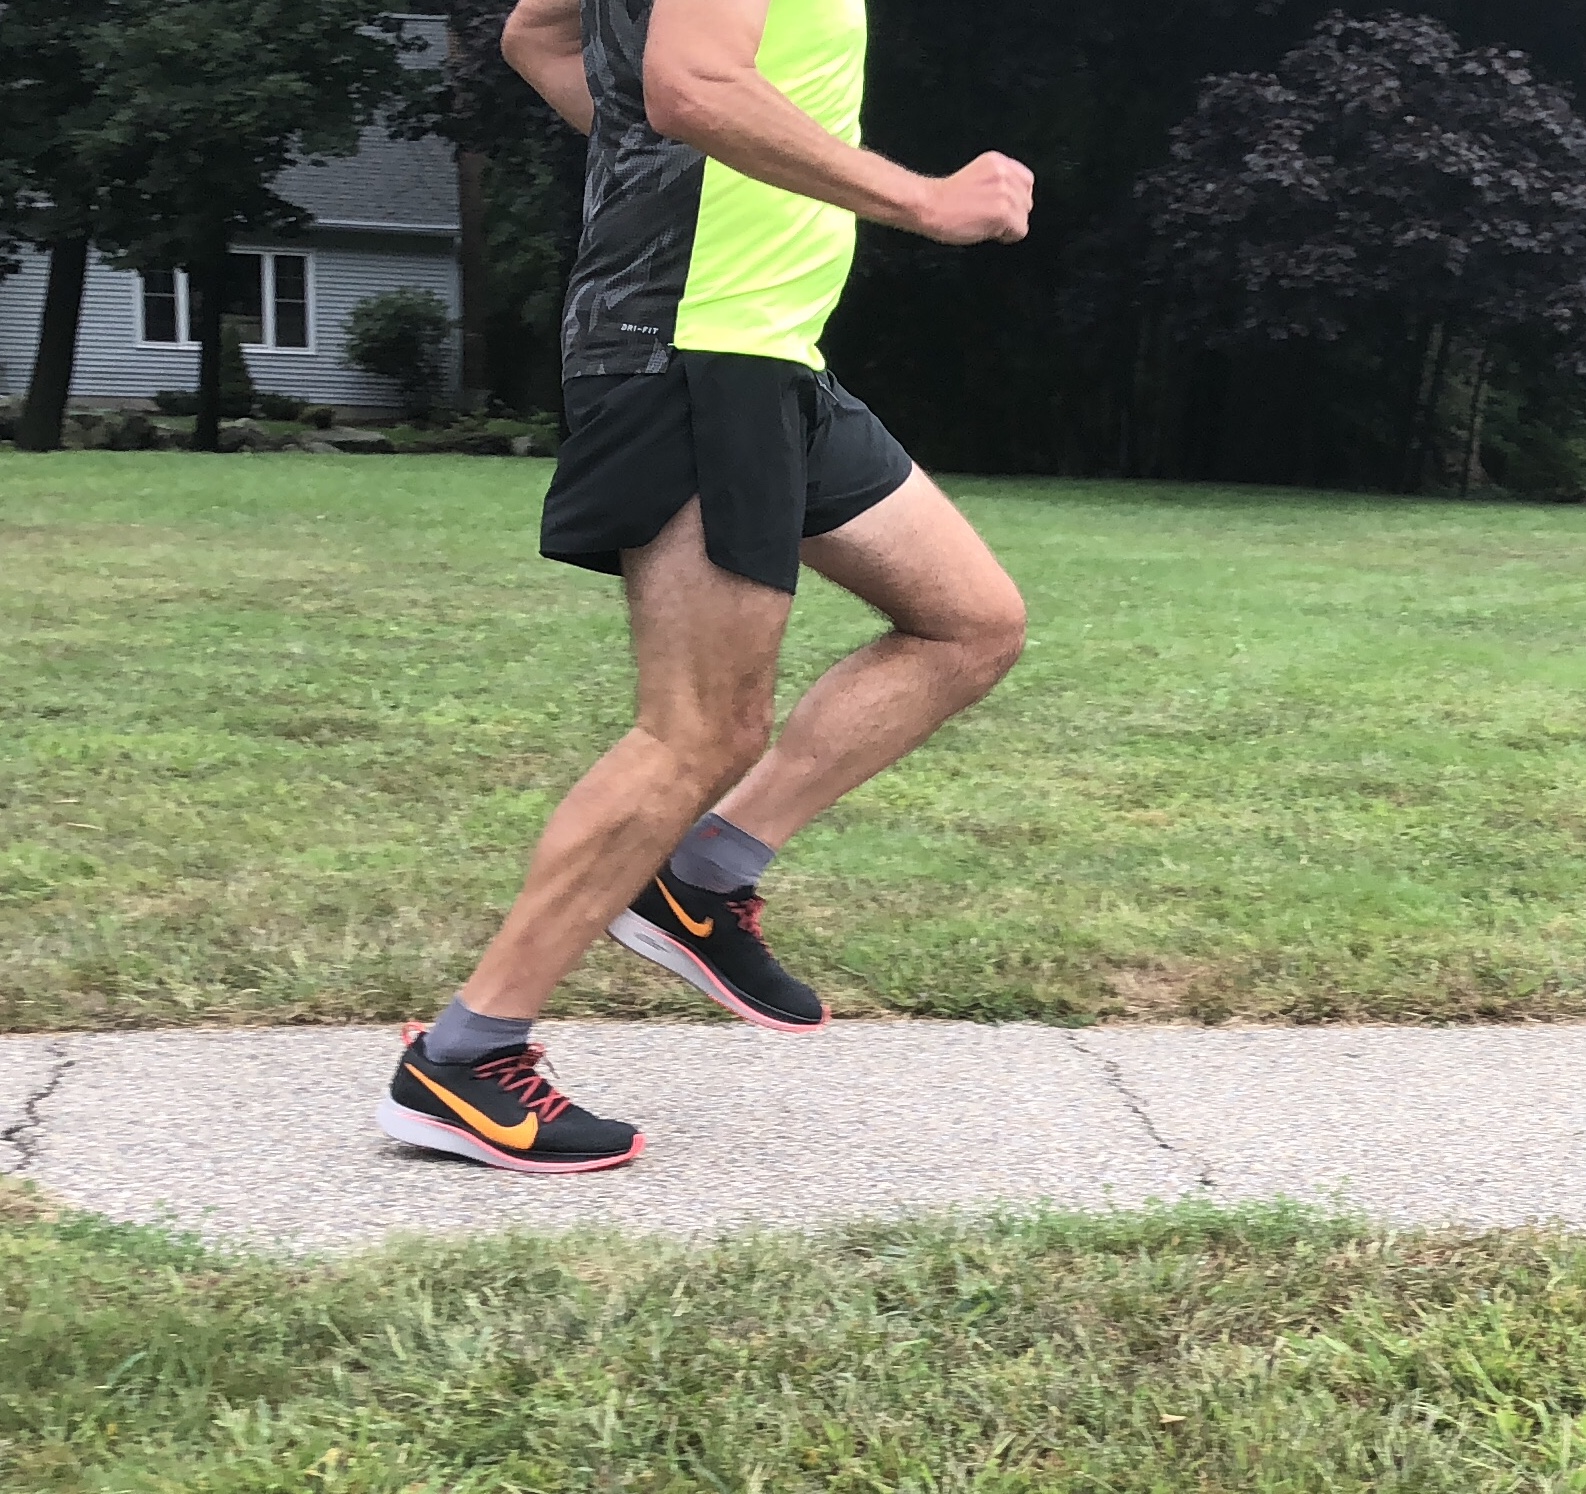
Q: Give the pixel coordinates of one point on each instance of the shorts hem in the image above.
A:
(858, 503)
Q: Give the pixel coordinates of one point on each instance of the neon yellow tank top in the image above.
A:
(679, 251)
(769, 267)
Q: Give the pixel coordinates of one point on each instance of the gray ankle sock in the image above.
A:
(463, 1036)
(719, 857)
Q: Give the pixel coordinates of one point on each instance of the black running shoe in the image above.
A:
(501, 1111)
(713, 940)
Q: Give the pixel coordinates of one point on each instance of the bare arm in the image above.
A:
(543, 43)
(701, 86)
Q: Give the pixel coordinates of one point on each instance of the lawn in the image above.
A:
(276, 732)
(1264, 1351)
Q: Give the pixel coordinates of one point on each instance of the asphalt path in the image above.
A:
(268, 1136)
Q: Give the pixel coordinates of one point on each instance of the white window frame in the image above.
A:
(184, 324)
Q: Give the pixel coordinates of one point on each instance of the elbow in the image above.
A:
(676, 105)
(511, 48)
(517, 45)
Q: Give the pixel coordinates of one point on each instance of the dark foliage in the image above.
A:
(533, 191)
(1386, 188)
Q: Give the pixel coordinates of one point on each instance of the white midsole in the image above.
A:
(400, 1124)
(639, 935)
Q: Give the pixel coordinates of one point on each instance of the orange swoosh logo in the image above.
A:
(698, 930)
(519, 1137)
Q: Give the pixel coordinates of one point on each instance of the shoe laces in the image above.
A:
(747, 911)
(518, 1074)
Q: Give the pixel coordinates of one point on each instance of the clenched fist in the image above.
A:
(989, 201)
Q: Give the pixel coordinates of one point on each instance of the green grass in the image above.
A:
(276, 732)
(1262, 1351)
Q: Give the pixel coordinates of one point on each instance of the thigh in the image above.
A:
(706, 640)
(916, 559)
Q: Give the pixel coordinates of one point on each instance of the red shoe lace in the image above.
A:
(748, 914)
(517, 1075)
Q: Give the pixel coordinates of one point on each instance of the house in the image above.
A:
(384, 219)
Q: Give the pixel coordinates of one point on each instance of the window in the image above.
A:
(162, 312)
(266, 297)
(290, 300)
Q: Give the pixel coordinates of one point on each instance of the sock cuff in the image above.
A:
(721, 856)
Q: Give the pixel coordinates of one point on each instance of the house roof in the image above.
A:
(390, 185)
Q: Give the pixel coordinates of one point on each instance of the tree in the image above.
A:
(402, 335)
(48, 95)
(204, 104)
(1381, 177)
(533, 186)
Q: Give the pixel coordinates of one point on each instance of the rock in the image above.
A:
(134, 431)
(358, 443)
(528, 446)
(248, 435)
(87, 430)
(471, 443)
(317, 446)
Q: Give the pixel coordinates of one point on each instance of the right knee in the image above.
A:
(714, 753)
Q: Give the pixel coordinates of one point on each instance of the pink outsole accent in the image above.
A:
(723, 997)
(510, 1163)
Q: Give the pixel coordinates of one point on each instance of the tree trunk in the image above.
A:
(208, 277)
(1308, 450)
(1415, 392)
(1429, 388)
(51, 384)
(1478, 411)
(1427, 446)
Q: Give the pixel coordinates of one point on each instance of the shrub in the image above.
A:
(177, 402)
(402, 335)
(321, 417)
(281, 406)
(236, 383)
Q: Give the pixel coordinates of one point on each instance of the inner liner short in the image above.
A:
(776, 452)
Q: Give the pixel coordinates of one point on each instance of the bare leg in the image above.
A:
(706, 643)
(958, 626)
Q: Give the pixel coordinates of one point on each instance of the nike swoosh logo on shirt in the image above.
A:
(698, 930)
(519, 1137)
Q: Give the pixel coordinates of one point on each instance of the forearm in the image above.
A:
(746, 123)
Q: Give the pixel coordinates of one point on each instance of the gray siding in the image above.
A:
(111, 363)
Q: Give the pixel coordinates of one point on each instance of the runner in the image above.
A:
(711, 453)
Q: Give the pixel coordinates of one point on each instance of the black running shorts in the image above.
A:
(776, 452)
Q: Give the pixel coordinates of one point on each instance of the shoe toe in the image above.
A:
(801, 1004)
(578, 1133)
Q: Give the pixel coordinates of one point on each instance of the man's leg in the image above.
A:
(958, 628)
(706, 643)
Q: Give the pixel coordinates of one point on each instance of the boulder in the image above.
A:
(85, 430)
(133, 431)
(358, 443)
(528, 446)
(248, 435)
(471, 443)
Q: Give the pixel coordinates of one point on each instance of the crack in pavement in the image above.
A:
(1112, 1076)
(24, 1134)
